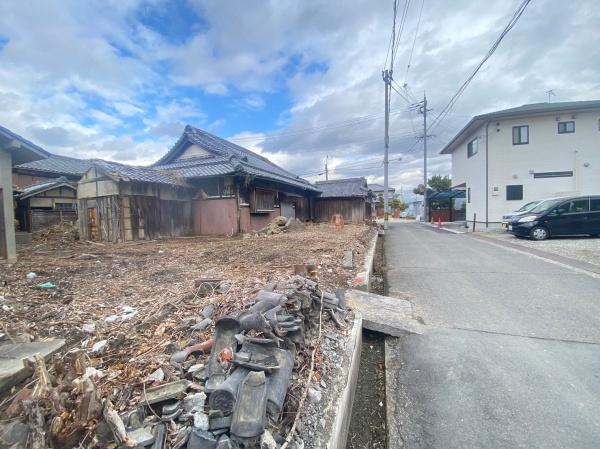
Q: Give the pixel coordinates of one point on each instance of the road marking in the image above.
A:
(535, 256)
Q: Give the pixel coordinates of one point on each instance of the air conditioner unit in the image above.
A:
(495, 191)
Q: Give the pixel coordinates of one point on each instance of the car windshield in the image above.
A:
(543, 206)
(528, 206)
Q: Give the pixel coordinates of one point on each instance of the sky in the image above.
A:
(296, 81)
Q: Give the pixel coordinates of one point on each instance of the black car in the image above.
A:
(559, 216)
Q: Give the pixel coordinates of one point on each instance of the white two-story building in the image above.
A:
(507, 158)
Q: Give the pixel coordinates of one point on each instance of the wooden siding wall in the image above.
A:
(108, 212)
(145, 218)
(215, 216)
(255, 222)
(160, 218)
(41, 219)
(354, 210)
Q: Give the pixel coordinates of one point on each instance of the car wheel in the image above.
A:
(539, 233)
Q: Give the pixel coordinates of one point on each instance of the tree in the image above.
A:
(395, 203)
(439, 183)
(419, 190)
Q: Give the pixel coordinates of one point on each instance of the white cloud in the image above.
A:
(59, 83)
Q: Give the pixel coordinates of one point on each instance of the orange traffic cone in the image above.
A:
(439, 225)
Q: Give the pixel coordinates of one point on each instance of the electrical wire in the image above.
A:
(511, 23)
(400, 32)
(333, 125)
(414, 41)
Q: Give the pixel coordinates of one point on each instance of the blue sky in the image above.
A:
(120, 79)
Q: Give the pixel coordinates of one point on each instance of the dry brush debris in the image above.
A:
(131, 307)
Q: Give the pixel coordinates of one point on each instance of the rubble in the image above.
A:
(281, 224)
(169, 333)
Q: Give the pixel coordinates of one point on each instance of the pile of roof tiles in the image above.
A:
(235, 397)
(228, 392)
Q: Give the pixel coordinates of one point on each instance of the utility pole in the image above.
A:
(387, 79)
(425, 208)
(326, 169)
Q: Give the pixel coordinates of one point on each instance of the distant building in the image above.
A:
(48, 169)
(378, 191)
(507, 158)
(349, 197)
(45, 204)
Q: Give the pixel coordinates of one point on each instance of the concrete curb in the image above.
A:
(362, 281)
(342, 409)
(453, 231)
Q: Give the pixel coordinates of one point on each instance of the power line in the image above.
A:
(333, 125)
(414, 41)
(400, 31)
(511, 23)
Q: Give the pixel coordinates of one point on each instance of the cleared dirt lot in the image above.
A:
(147, 289)
(586, 249)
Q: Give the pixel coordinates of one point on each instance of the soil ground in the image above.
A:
(146, 288)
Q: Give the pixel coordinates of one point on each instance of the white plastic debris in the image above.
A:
(158, 375)
(31, 276)
(99, 345)
(89, 328)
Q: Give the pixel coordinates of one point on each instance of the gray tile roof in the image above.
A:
(59, 165)
(520, 111)
(34, 189)
(379, 188)
(229, 155)
(343, 188)
(130, 173)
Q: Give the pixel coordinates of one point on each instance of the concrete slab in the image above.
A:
(391, 316)
(12, 369)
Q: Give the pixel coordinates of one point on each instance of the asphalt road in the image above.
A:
(511, 353)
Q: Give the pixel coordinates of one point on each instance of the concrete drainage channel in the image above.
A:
(368, 422)
(356, 414)
(383, 318)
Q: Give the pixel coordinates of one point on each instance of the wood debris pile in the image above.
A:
(130, 307)
(278, 225)
(226, 392)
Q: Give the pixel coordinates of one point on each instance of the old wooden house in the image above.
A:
(49, 168)
(349, 197)
(45, 204)
(204, 185)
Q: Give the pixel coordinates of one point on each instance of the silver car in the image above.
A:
(522, 211)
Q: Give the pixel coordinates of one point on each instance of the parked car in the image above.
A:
(559, 216)
(522, 211)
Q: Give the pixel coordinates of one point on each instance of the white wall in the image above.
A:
(547, 151)
(472, 172)
(9, 213)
